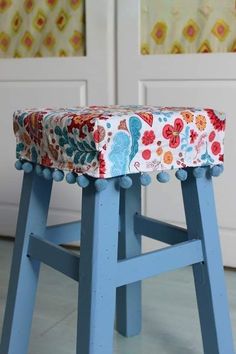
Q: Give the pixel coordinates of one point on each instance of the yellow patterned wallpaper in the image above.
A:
(188, 26)
(42, 28)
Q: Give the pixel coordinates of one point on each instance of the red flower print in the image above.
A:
(212, 136)
(172, 132)
(148, 137)
(46, 161)
(193, 136)
(99, 134)
(102, 165)
(146, 154)
(217, 122)
(216, 148)
(221, 157)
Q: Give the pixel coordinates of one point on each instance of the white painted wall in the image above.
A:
(202, 80)
(54, 82)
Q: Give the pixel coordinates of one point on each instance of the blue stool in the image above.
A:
(108, 152)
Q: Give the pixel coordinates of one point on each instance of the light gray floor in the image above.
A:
(170, 319)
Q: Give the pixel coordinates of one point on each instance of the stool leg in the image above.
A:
(209, 276)
(98, 261)
(32, 218)
(128, 297)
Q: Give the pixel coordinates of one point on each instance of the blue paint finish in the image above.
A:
(211, 293)
(159, 230)
(39, 170)
(98, 260)
(32, 218)
(54, 256)
(63, 233)
(128, 302)
(158, 262)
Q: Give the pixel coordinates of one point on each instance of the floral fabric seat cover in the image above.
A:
(109, 141)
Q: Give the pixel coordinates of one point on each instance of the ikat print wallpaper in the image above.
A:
(42, 28)
(188, 26)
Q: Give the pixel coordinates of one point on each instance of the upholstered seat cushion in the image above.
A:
(109, 141)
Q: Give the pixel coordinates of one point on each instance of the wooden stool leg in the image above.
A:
(209, 275)
(32, 218)
(98, 261)
(128, 300)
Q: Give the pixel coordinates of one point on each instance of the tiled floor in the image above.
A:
(170, 320)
